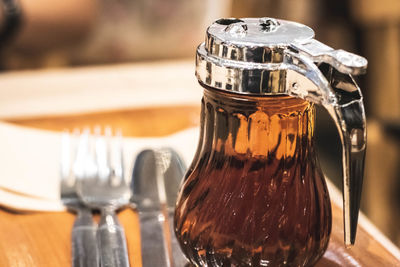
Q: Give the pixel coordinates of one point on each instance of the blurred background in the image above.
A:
(97, 32)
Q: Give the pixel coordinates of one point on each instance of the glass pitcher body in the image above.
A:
(254, 194)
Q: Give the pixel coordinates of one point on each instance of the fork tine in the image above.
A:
(91, 166)
(101, 154)
(81, 155)
(118, 157)
(68, 154)
(108, 135)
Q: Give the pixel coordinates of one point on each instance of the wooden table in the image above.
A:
(43, 239)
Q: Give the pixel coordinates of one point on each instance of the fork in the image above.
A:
(83, 236)
(104, 188)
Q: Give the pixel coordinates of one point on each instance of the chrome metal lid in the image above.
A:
(254, 40)
(252, 55)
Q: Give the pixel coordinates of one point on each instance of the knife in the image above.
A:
(156, 178)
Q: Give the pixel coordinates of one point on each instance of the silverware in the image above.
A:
(156, 177)
(83, 236)
(104, 188)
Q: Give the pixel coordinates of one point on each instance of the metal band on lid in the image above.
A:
(253, 56)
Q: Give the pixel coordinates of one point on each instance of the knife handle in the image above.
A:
(153, 243)
(84, 245)
(112, 242)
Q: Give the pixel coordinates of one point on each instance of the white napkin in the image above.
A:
(30, 163)
(94, 89)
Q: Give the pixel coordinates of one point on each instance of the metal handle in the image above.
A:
(84, 245)
(351, 124)
(331, 86)
(112, 242)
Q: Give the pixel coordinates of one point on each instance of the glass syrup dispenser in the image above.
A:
(254, 194)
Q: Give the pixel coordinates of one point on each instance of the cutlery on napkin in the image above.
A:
(30, 161)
